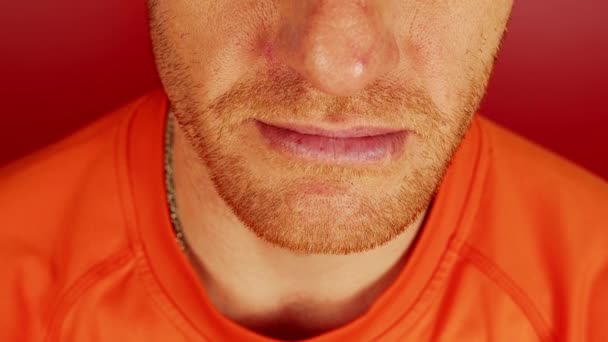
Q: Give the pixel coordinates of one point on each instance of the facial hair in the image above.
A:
(316, 208)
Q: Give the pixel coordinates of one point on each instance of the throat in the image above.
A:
(304, 320)
(298, 307)
(300, 317)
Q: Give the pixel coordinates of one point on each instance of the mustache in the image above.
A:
(285, 96)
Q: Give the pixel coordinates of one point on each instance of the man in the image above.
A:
(313, 170)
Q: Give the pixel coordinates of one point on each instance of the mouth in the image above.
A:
(355, 146)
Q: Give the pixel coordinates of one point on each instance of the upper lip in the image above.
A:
(351, 132)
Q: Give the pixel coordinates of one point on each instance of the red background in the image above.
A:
(65, 62)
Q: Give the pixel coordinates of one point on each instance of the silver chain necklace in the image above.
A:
(169, 183)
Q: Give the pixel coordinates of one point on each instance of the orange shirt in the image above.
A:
(515, 247)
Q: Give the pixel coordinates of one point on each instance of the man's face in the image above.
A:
(326, 125)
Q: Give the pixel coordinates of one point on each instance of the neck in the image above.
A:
(271, 290)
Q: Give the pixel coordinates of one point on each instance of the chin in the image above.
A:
(316, 217)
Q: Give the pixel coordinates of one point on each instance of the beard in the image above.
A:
(316, 208)
(304, 206)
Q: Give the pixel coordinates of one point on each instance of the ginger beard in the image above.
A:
(319, 208)
(307, 207)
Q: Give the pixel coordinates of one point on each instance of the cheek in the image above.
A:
(449, 56)
(429, 61)
(221, 52)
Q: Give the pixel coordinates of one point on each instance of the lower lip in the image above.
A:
(349, 150)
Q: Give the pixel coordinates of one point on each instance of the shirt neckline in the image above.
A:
(174, 284)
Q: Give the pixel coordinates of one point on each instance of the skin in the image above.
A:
(314, 242)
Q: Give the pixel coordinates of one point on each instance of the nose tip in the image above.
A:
(338, 46)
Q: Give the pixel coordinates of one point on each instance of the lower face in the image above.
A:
(260, 127)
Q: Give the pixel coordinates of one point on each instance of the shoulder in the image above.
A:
(62, 214)
(540, 183)
(541, 229)
(67, 183)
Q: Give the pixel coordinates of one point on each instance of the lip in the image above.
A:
(353, 132)
(357, 145)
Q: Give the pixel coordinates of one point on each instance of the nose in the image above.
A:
(339, 46)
